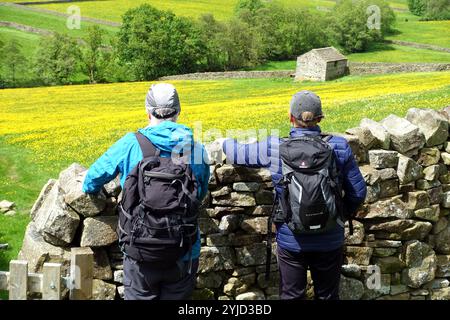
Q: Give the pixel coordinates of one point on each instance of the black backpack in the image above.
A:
(311, 199)
(158, 213)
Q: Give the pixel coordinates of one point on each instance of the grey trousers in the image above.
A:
(144, 282)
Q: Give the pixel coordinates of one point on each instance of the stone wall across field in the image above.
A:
(402, 229)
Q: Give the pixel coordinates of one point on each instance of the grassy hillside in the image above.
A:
(47, 21)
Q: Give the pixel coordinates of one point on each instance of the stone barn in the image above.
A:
(321, 65)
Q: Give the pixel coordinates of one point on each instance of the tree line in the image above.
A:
(430, 9)
(152, 43)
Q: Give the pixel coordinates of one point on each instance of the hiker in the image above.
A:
(162, 187)
(309, 171)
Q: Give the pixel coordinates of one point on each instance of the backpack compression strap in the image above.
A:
(147, 147)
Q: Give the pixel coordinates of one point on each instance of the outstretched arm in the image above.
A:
(354, 185)
(106, 168)
(255, 154)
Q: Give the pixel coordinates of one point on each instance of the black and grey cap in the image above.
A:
(162, 101)
(306, 101)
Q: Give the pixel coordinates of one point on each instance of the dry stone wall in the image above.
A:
(402, 230)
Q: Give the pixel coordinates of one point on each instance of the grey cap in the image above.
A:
(162, 101)
(306, 101)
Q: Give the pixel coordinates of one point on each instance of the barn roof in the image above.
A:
(328, 54)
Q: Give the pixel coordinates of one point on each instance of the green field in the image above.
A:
(48, 22)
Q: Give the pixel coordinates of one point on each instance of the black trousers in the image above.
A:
(144, 282)
(325, 268)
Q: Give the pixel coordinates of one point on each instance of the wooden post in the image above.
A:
(18, 280)
(81, 272)
(51, 281)
(4, 280)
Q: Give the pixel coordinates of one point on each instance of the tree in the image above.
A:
(213, 33)
(155, 43)
(438, 10)
(417, 7)
(57, 59)
(251, 5)
(14, 61)
(349, 24)
(93, 58)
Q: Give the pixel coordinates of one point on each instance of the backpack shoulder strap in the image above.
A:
(147, 147)
(326, 137)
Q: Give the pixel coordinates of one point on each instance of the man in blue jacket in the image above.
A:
(141, 280)
(321, 253)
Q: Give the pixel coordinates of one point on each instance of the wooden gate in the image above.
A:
(51, 283)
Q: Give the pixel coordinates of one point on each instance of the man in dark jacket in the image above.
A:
(321, 253)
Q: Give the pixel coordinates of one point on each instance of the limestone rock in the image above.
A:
(217, 240)
(251, 295)
(417, 200)
(371, 289)
(118, 276)
(236, 286)
(408, 170)
(435, 195)
(264, 197)
(42, 196)
(221, 192)
(231, 174)
(252, 255)
(443, 266)
(441, 225)
(388, 174)
(216, 259)
(246, 186)
(441, 294)
(365, 136)
(350, 289)
(428, 214)
(431, 173)
(380, 159)
(55, 220)
(431, 123)
(351, 270)
(113, 188)
(446, 200)
(389, 264)
(229, 223)
(208, 226)
(102, 290)
(370, 175)
(401, 229)
(390, 208)
(373, 193)
(388, 188)
(238, 239)
(102, 268)
(359, 255)
(406, 137)
(429, 156)
(6, 206)
(263, 210)
(236, 199)
(37, 251)
(442, 241)
(378, 131)
(358, 234)
(384, 252)
(445, 158)
(255, 225)
(423, 184)
(71, 182)
(421, 261)
(209, 280)
(219, 212)
(99, 231)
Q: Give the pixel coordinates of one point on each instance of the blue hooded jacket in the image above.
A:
(265, 154)
(126, 153)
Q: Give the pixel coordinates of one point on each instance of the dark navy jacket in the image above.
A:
(265, 154)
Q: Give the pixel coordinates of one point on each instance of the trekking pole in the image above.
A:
(269, 238)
